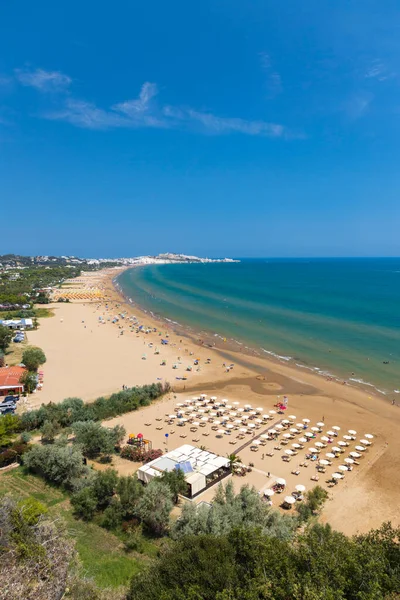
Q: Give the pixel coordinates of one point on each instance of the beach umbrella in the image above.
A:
(369, 436)
(233, 413)
(264, 436)
(272, 412)
(280, 481)
(195, 424)
(290, 500)
(241, 410)
(352, 432)
(330, 455)
(278, 426)
(337, 476)
(287, 435)
(228, 406)
(180, 404)
(299, 425)
(213, 414)
(236, 403)
(251, 425)
(365, 442)
(265, 417)
(342, 468)
(306, 420)
(183, 420)
(201, 410)
(296, 446)
(315, 450)
(269, 493)
(256, 442)
(347, 437)
(342, 443)
(259, 409)
(300, 487)
(292, 417)
(247, 405)
(324, 462)
(244, 418)
(220, 431)
(308, 434)
(272, 430)
(172, 417)
(253, 413)
(204, 419)
(360, 448)
(349, 461)
(229, 426)
(285, 422)
(259, 421)
(302, 440)
(238, 421)
(355, 454)
(324, 439)
(321, 424)
(330, 432)
(336, 428)
(293, 430)
(315, 429)
(319, 444)
(336, 449)
(243, 430)
(213, 398)
(202, 396)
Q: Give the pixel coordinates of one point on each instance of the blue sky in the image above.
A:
(255, 128)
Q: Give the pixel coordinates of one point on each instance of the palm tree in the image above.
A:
(234, 459)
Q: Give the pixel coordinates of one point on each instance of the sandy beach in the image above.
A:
(87, 356)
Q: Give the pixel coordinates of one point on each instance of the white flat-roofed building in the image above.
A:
(202, 468)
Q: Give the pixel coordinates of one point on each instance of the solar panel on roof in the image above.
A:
(185, 466)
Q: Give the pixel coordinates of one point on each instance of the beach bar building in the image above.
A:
(202, 469)
(10, 380)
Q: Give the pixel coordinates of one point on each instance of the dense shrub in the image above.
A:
(12, 454)
(72, 410)
(59, 464)
(139, 454)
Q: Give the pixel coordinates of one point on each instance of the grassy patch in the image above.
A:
(101, 552)
(14, 352)
(43, 313)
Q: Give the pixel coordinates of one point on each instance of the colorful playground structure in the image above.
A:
(139, 441)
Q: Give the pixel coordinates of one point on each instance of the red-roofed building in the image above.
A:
(10, 380)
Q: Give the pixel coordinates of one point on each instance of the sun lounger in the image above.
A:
(295, 472)
(270, 453)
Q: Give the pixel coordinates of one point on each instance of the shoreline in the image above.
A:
(89, 356)
(232, 345)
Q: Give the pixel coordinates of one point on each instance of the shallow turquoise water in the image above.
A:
(338, 315)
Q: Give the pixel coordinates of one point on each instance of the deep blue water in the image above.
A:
(338, 315)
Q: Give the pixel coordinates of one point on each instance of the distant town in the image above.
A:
(12, 261)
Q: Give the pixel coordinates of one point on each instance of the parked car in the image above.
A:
(7, 410)
(9, 399)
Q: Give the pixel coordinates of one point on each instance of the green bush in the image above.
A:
(33, 357)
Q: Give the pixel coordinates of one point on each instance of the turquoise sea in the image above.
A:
(340, 316)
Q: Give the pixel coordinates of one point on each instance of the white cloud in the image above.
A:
(379, 71)
(219, 125)
(140, 112)
(45, 81)
(274, 81)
